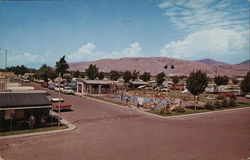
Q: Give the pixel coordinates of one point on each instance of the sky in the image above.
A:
(40, 32)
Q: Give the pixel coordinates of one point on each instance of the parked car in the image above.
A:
(57, 89)
(44, 84)
(25, 80)
(248, 96)
(67, 90)
(63, 105)
(51, 86)
(162, 89)
(185, 91)
(72, 87)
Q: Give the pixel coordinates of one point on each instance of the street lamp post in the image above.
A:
(166, 67)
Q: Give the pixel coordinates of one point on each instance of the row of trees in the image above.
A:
(196, 82)
(44, 72)
(92, 72)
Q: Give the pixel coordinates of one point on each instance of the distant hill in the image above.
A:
(209, 61)
(155, 65)
(246, 62)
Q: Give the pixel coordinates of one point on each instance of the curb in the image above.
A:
(70, 128)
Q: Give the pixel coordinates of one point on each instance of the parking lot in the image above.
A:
(107, 131)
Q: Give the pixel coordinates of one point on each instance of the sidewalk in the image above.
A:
(63, 121)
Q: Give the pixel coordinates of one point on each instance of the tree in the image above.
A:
(127, 76)
(101, 75)
(145, 76)
(235, 81)
(175, 79)
(76, 74)
(196, 83)
(18, 69)
(135, 75)
(224, 103)
(160, 78)
(92, 72)
(114, 75)
(221, 80)
(67, 77)
(46, 72)
(82, 74)
(232, 102)
(245, 84)
(62, 66)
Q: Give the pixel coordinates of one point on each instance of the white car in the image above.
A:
(163, 89)
(57, 89)
(67, 90)
(185, 91)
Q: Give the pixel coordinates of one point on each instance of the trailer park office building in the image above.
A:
(17, 107)
(95, 86)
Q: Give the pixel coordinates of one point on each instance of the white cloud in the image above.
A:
(26, 59)
(133, 51)
(84, 51)
(87, 52)
(194, 15)
(209, 43)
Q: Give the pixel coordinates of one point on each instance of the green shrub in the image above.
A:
(180, 110)
(220, 97)
(233, 97)
(209, 106)
(232, 103)
(224, 103)
(217, 104)
(162, 111)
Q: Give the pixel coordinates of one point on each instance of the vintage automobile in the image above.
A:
(67, 90)
(56, 88)
(56, 104)
(51, 86)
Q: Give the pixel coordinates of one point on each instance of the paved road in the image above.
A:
(108, 132)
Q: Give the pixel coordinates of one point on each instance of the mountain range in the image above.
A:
(155, 65)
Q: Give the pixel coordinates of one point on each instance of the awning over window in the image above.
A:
(30, 107)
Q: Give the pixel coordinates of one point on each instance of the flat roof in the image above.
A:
(139, 82)
(96, 81)
(24, 99)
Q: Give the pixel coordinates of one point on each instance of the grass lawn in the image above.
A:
(175, 113)
(33, 130)
(171, 94)
(192, 111)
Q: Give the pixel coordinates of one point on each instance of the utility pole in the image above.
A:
(6, 55)
(59, 104)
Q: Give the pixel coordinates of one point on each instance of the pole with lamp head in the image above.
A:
(166, 67)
